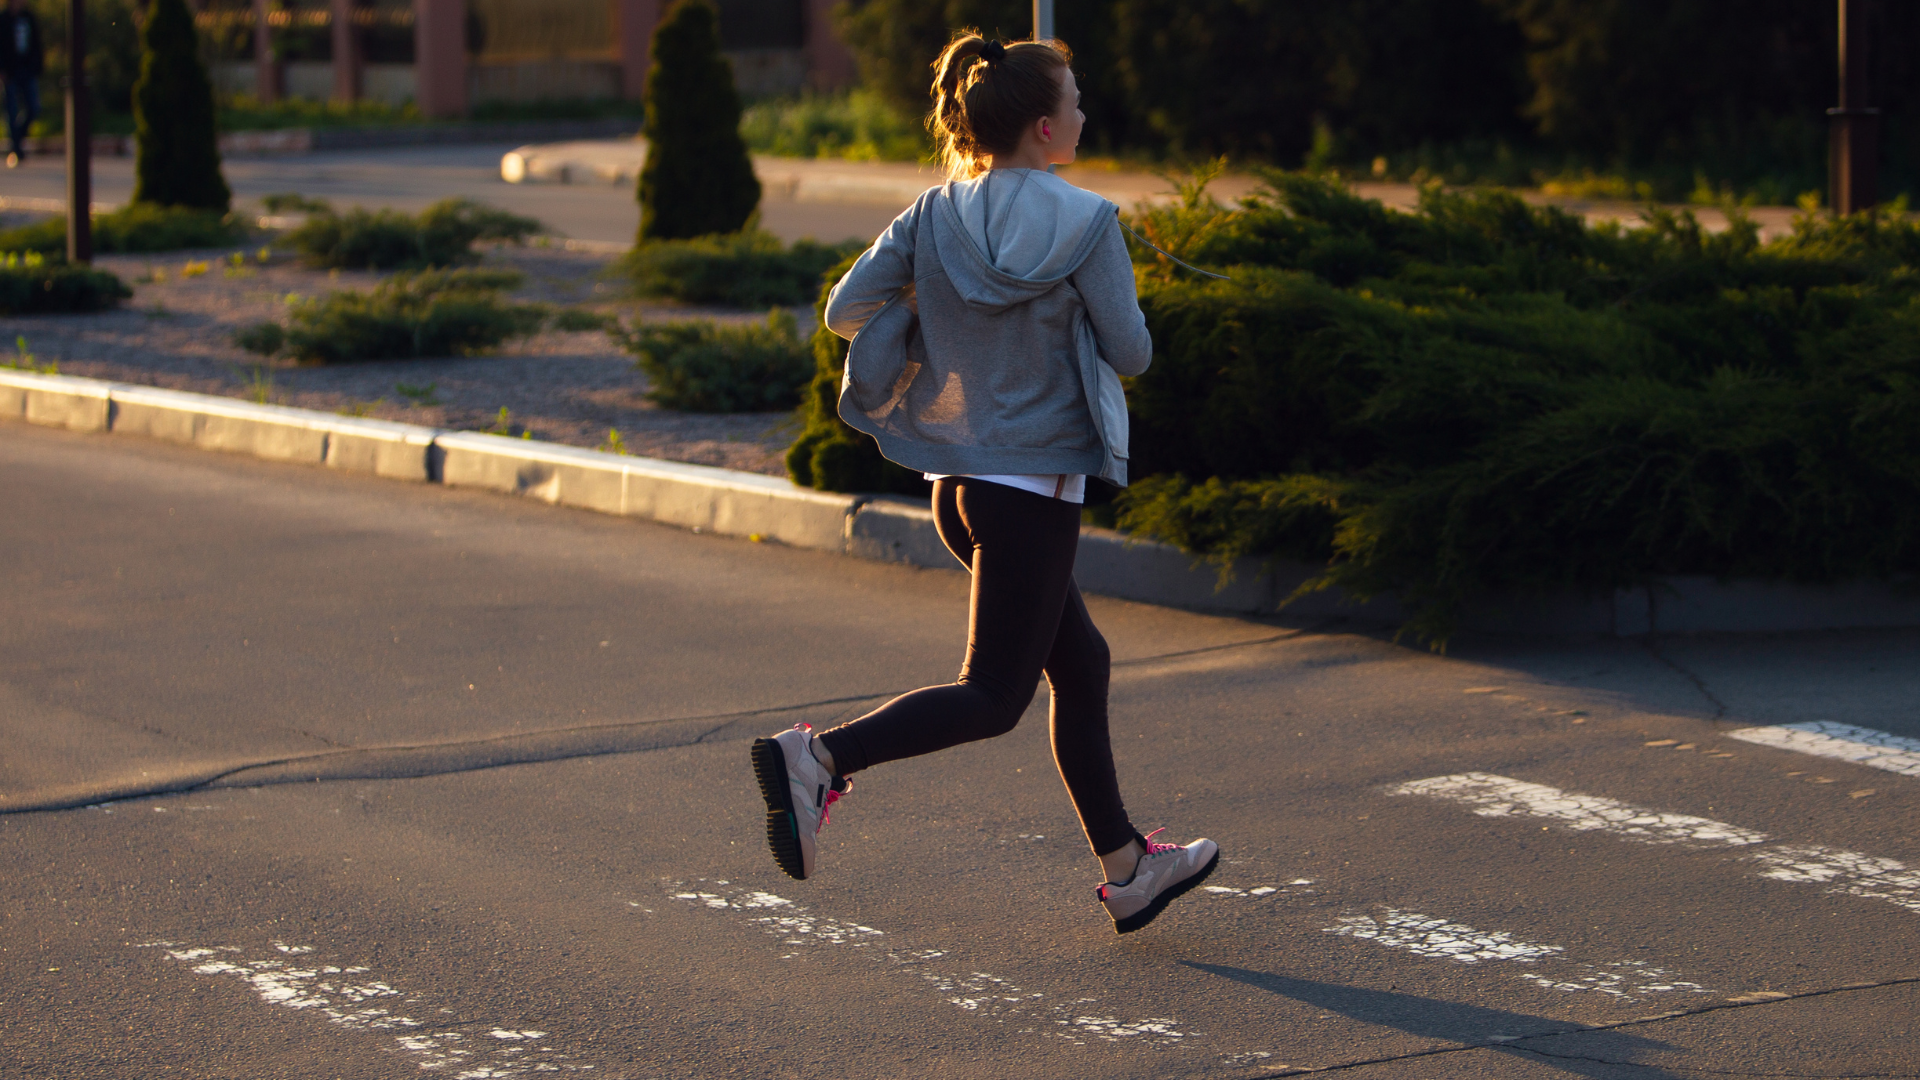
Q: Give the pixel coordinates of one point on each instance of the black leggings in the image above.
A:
(1026, 617)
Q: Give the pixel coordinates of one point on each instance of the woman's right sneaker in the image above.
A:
(798, 790)
(1163, 874)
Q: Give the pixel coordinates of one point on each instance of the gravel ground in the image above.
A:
(566, 387)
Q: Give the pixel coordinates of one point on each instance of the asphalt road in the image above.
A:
(459, 783)
(410, 179)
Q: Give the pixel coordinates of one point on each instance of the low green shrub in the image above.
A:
(699, 365)
(442, 235)
(748, 269)
(859, 125)
(32, 284)
(431, 313)
(292, 202)
(243, 112)
(828, 454)
(135, 229)
(1486, 397)
(577, 319)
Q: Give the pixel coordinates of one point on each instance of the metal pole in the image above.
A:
(79, 139)
(1853, 154)
(1042, 20)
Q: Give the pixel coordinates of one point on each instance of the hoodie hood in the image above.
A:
(1013, 234)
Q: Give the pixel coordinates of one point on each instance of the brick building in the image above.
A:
(450, 55)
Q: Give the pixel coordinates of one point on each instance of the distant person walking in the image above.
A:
(989, 327)
(23, 56)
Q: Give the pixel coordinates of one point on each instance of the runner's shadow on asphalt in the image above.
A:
(1606, 1054)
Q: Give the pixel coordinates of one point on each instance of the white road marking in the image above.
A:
(350, 997)
(1841, 742)
(1847, 872)
(976, 992)
(1426, 935)
(1499, 796)
(1296, 886)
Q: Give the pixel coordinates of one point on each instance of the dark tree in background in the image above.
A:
(1731, 91)
(178, 162)
(698, 178)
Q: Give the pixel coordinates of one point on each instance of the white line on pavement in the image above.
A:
(1425, 935)
(1842, 742)
(352, 998)
(1847, 872)
(975, 992)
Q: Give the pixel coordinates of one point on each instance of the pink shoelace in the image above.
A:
(1155, 849)
(832, 797)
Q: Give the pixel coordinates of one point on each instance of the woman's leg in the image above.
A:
(1020, 548)
(1078, 668)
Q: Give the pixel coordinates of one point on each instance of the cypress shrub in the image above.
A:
(1484, 396)
(698, 178)
(829, 455)
(179, 159)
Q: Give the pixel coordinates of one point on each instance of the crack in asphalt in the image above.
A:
(517, 748)
(1518, 1043)
(1719, 707)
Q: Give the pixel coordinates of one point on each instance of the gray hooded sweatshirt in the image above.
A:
(988, 324)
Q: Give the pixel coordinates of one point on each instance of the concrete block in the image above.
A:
(1687, 605)
(380, 447)
(63, 401)
(514, 466)
(215, 423)
(737, 504)
(892, 529)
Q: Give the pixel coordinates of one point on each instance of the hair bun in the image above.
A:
(993, 52)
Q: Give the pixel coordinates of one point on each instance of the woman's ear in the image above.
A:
(1046, 130)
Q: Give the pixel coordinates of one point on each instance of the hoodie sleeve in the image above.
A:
(1105, 282)
(885, 269)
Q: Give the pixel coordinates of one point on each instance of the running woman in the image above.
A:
(990, 324)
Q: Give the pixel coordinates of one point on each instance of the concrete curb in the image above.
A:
(883, 528)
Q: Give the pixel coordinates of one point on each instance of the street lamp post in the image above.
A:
(1043, 20)
(79, 139)
(1854, 147)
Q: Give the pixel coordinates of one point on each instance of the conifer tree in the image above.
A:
(698, 178)
(178, 162)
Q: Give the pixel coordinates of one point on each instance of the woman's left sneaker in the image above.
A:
(798, 790)
(1163, 874)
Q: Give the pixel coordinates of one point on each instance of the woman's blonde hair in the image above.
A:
(986, 93)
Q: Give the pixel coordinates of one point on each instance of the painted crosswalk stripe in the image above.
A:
(351, 997)
(1841, 742)
(1846, 872)
(976, 992)
(1547, 966)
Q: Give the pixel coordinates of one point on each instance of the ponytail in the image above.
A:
(986, 93)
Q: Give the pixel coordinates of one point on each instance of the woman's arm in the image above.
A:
(1105, 282)
(885, 269)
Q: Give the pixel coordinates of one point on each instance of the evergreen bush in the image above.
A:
(749, 269)
(135, 229)
(828, 454)
(702, 366)
(698, 178)
(1486, 396)
(409, 315)
(34, 285)
(178, 162)
(442, 235)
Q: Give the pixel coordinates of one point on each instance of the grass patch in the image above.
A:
(432, 313)
(859, 125)
(440, 236)
(1488, 397)
(32, 284)
(133, 230)
(703, 366)
(749, 269)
